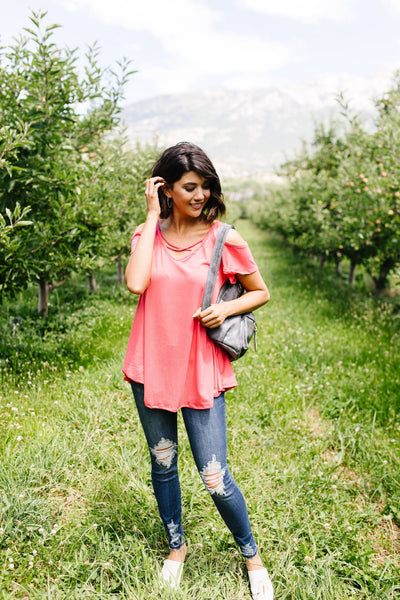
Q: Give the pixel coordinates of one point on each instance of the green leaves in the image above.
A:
(12, 268)
(56, 159)
(342, 197)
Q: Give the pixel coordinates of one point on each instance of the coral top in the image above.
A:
(168, 350)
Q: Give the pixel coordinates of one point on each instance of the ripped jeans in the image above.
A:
(206, 430)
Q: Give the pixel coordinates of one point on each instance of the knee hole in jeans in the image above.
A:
(213, 477)
(164, 452)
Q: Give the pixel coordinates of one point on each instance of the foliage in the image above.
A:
(63, 117)
(124, 189)
(12, 266)
(342, 196)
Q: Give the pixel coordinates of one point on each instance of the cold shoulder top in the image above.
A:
(169, 350)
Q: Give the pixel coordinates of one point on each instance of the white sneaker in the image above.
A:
(171, 573)
(260, 585)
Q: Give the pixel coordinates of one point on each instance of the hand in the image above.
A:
(213, 316)
(151, 192)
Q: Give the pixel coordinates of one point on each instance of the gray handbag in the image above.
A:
(235, 333)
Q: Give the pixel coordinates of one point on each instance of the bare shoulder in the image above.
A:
(139, 228)
(234, 237)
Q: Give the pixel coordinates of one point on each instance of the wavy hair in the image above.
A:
(180, 159)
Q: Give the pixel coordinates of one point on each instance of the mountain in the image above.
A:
(246, 132)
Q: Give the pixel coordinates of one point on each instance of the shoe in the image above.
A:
(260, 585)
(171, 573)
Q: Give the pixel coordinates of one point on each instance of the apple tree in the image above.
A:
(66, 115)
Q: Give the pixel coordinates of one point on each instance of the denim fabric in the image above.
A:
(206, 430)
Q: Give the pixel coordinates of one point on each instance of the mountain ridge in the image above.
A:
(245, 132)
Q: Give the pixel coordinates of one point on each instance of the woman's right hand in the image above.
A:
(151, 192)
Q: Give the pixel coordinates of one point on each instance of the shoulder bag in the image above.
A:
(235, 333)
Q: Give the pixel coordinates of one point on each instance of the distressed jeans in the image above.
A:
(206, 430)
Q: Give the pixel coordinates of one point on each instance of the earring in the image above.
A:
(169, 202)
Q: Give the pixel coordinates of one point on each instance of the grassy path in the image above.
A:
(314, 445)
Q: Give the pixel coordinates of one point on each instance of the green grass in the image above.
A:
(313, 435)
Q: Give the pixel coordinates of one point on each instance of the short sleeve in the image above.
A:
(237, 259)
(135, 238)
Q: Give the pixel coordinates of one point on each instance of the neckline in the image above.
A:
(179, 248)
(191, 250)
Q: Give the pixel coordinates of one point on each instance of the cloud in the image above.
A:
(159, 17)
(393, 5)
(188, 43)
(306, 11)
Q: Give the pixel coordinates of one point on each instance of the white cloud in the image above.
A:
(393, 5)
(192, 43)
(306, 11)
(159, 17)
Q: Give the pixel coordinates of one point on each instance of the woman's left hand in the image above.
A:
(213, 316)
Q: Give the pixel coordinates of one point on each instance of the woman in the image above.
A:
(170, 362)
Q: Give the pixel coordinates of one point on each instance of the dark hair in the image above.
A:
(180, 159)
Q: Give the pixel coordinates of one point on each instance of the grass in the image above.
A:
(313, 435)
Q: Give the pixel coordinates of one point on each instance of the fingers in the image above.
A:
(153, 184)
(210, 317)
(151, 192)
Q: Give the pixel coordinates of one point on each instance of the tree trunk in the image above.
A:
(382, 281)
(352, 272)
(43, 304)
(381, 285)
(120, 272)
(338, 265)
(322, 260)
(92, 283)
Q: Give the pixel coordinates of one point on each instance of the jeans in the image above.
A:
(206, 430)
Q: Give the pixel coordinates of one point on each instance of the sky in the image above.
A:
(181, 46)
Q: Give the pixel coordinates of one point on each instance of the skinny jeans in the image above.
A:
(206, 430)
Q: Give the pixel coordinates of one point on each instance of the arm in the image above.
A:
(138, 270)
(257, 295)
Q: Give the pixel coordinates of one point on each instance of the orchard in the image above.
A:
(64, 162)
(341, 196)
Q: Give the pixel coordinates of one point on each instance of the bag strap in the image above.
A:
(214, 264)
